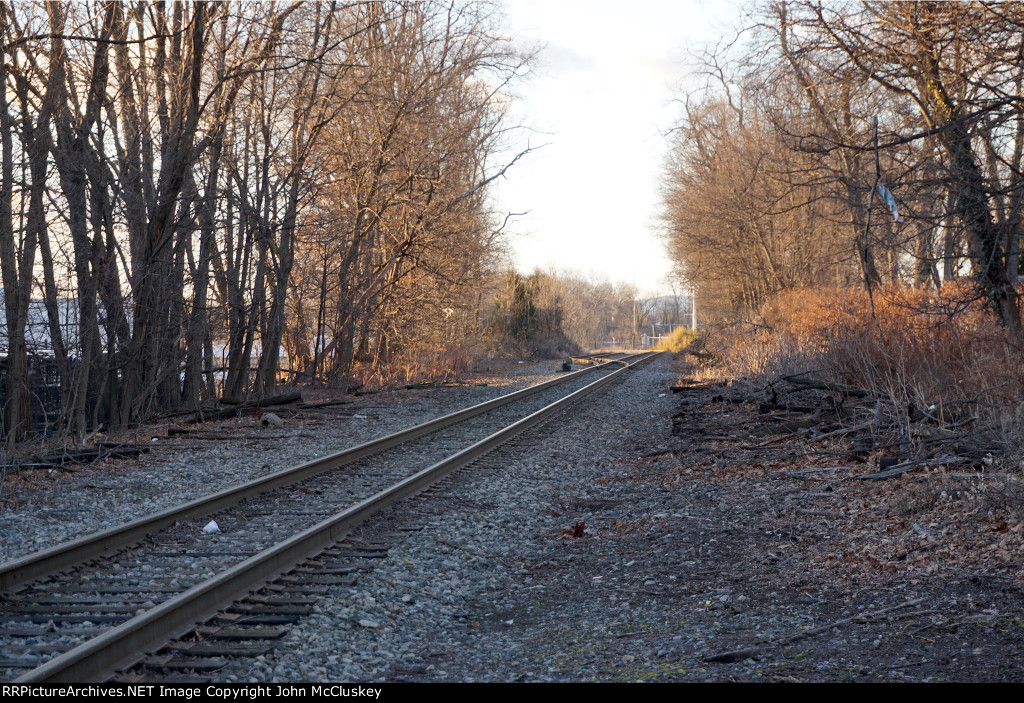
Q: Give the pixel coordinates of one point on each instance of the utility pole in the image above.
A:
(632, 331)
(693, 308)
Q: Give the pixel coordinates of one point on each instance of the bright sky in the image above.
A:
(601, 102)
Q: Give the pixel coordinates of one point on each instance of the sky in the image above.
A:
(600, 104)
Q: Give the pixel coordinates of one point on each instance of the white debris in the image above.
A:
(211, 527)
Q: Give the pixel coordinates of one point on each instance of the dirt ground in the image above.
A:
(820, 575)
(723, 564)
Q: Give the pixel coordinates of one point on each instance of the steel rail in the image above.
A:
(601, 358)
(127, 643)
(44, 562)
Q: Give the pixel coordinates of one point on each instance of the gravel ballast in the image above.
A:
(457, 601)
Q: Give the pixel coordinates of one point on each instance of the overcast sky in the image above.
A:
(601, 102)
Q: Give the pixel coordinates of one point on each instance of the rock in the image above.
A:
(271, 421)
(369, 623)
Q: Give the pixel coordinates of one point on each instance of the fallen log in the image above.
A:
(248, 407)
(326, 404)
(283, 399)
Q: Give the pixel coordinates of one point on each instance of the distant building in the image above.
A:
(44, 376)
(37, 327)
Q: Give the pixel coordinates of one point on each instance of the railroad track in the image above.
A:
(598, 358)
(163, 594)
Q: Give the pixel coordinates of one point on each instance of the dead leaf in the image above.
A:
(578, 530)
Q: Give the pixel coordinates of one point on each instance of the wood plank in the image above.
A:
(238, 619)
(253, 633)
(219, 649)
(319, 580)
(183, 664)
(56, 618)
(269, 609)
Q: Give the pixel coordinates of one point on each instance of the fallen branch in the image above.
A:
(978, 475)
(766, 408)
(14, 468)
(803, 472)
(179, 432)
(62, 460)
(791, 426)
(828, 386)
(748, 652)
(840, 431)
(698, 386)
(899, 469)
(86, 456)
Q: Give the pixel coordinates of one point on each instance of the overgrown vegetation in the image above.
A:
(926, 370)
(678, 340)
(846, 196)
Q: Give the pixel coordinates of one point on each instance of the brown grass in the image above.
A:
(678, 341)
(424, 363)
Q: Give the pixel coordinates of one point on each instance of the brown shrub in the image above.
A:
(941, 352)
